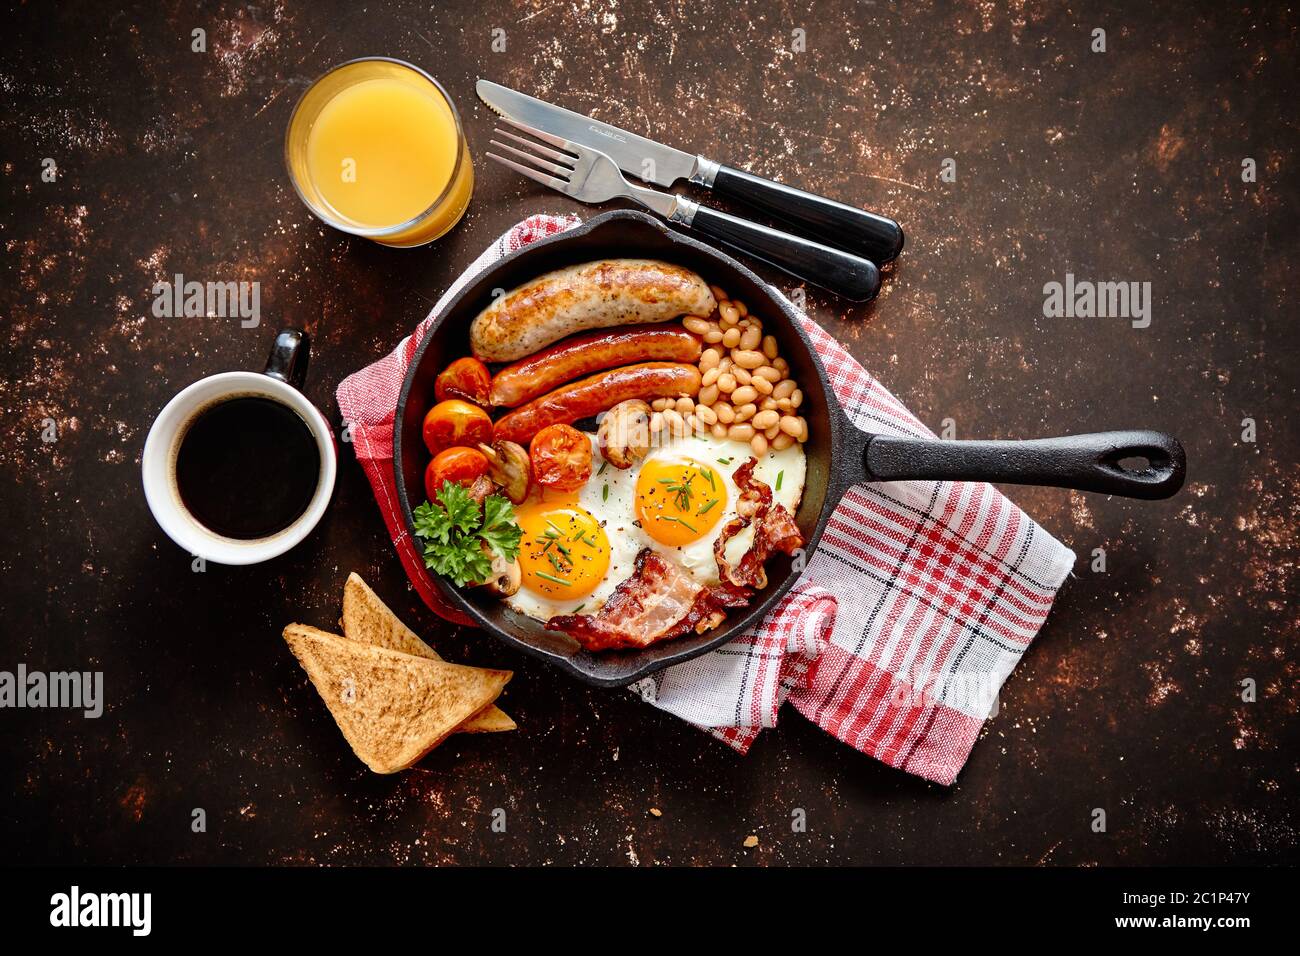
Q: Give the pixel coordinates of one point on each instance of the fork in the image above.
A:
(590, 176)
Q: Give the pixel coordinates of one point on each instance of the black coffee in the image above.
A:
(247, 467)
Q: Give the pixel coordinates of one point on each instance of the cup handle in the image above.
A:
(288, 359)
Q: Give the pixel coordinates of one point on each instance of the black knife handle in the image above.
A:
(848, 228)
(1087, 462)
(846, 275)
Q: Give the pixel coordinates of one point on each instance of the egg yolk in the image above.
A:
(679, 499)
(564, 552)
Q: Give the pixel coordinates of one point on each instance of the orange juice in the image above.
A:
(375, 148)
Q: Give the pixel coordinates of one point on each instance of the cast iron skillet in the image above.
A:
(839, 454)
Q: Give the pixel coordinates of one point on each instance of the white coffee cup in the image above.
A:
(280, 382)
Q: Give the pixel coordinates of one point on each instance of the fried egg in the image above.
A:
(578, 546)
(564, 552)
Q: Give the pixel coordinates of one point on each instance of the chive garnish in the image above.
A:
(779, 476)
(603, 466)
(551, 535)
(687, 524)
(724, 461)
(591, 540)
(578, 608)
(708, 473)
(557, 528)
(707, 506)
(681, 491)
(604, 493)
(551, 577)
(555, 563)
(565, 551)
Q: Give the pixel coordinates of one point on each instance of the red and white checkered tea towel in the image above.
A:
(915, 607)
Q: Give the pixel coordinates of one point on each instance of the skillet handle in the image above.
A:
(1086, 462)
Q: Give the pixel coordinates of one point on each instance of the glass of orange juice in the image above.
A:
(375, 148)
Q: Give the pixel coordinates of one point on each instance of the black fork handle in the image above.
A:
(843, 273)
(845, 227)
(1084, 462)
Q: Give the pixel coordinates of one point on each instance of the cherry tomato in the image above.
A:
(462, 465)
(561, 457)
(455, 423)
(466, 378)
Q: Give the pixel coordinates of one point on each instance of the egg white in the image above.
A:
(610, 496)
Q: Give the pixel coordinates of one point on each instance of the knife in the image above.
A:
(848, 228)
(590, 176)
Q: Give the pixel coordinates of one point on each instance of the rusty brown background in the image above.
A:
(1123, 165)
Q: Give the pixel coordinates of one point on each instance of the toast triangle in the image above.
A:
(366, 618)
(392, 708)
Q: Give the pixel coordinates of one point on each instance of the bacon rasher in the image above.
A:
(659, 601)
(774, 530)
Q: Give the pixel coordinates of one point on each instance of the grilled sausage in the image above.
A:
(595, 394)
(590, 352)
(588, 296)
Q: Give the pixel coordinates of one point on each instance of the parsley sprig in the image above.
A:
(454, 528)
